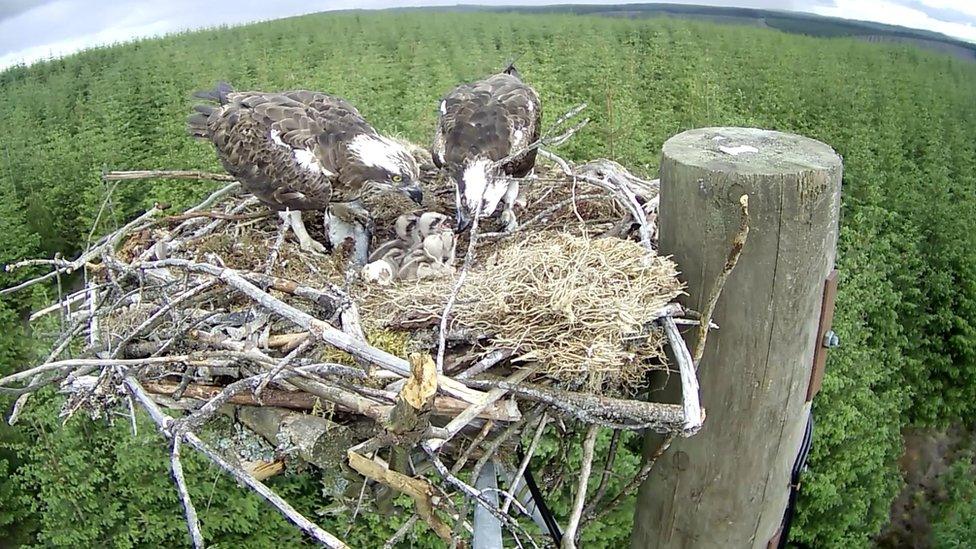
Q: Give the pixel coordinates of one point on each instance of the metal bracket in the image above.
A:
(826, 338)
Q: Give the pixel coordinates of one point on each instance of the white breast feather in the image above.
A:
(378, 152)
(443, 107)
(475, 180)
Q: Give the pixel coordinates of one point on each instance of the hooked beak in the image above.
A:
(415, 194)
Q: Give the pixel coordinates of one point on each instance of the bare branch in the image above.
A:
(319, 329)
(601, 490)
(738, 242)
(166, 174)
(569, 536)
(638, 479)
(108, 242)
(513, 489)
(164, 423)
(192, 524)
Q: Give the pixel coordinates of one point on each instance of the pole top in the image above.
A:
(750, 151)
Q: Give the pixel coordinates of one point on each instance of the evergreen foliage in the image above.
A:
(904, 120)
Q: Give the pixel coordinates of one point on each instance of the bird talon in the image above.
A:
(509, 221)
(312, 246)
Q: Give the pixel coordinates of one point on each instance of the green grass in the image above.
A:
(904, 120)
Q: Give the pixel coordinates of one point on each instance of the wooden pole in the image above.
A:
(728, 485)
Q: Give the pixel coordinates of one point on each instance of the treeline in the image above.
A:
(904, 120)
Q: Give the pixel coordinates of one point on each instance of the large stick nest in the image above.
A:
(217, 308)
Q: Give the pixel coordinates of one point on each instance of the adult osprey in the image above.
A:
(480, 124)
(303, 150)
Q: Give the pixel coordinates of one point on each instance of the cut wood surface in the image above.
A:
(728, 486)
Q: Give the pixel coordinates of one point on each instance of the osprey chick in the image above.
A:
(304, 150)
(480, 124)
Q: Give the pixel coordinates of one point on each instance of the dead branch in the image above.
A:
(164, 423)
(548, 139)
(108, 242)
(465, 417)
(192, 523)
(569, 535)
(166, 174)
(691, 406)
(419, 490)
(601, 489)
(319, 329)
(609, 412)
(738, 242)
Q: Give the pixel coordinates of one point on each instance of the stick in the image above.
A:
(164, 423)
(216, 215)
(401, 532)
(601, 490)
(107, 242)
(166, 174)
(465, 417)
(197, 418)
(486, 363)
(525, 462)
(638, 479)
(608, 412)
(476, 495)
(288, 359)
(569, 536)
(417, 488)
(157, 316)
(192, 524)
(547, 138)
(319, 329)
(738, 242)
(691, 405)
(276, 247)
(543, 214)
(96, 362)
(468, 259)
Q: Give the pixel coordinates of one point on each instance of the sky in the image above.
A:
(32, 30)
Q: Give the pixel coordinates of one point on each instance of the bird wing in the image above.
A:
(268, 141)
(287, 148)
(491, 118)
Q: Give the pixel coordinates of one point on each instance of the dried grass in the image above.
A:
(557, 292)
(576, 305)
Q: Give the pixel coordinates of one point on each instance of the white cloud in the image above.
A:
(31, 30)
(967, 7)
(893, 13)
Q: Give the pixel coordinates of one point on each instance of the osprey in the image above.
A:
(304, 150)
(480, 124)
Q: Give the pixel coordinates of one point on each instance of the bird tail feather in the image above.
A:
(218, 94)
(197, 124)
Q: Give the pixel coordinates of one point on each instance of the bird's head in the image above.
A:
(480, 186)
(386, 166)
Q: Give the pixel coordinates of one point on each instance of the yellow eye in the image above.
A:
(397, 178)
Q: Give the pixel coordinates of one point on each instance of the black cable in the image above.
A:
(798, 466)
(540, 503)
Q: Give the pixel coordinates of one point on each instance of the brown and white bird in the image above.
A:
(480, 124)
(305, 150)
(423, 247)
(434, 255)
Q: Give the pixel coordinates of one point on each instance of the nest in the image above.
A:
(216, 310)
(575, 305)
